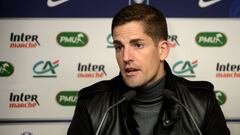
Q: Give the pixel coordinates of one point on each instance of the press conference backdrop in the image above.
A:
(51, 49)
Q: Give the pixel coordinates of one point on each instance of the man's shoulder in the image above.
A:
(196, 85)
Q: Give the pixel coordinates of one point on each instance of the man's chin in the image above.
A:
(132, 84)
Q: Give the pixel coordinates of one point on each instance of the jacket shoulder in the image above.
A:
(200, 85)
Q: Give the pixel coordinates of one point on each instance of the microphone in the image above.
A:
(170, 95)
(126, 96)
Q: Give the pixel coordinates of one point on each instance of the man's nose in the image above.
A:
(127, 54)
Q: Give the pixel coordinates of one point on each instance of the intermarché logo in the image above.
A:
(211, 39)
(6, 69)
(72, 39)
(67, 98)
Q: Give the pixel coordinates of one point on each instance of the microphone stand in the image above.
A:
(105, 114)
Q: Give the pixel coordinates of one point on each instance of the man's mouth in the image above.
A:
(130, 71)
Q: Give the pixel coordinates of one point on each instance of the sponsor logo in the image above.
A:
(204, 4)
(23, 41)
(211, 39)
(45, 69)
(221, 97)
(227, 70)
(67, 98)
(54, 3)
(91, 71)
(72, 39)
(138, 2)
(185, 68)
(6, 69)
(173, 42)
(110, 41)
(27, 133)
(23, 100)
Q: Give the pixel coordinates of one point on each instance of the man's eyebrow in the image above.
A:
(136, 40)
(131, 41)
(117, 42)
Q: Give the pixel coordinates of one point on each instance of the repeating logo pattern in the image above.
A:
(76, 67)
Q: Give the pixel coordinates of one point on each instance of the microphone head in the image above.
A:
(129, 95)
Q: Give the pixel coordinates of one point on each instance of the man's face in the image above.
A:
(137, 55)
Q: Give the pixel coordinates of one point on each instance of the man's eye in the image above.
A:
(117, 47)
(138, 45)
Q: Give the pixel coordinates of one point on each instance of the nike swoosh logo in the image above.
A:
(204, 4)
(52, 3)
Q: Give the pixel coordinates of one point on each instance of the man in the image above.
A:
(140, 39)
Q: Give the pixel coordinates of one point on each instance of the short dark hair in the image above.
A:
(153, 20)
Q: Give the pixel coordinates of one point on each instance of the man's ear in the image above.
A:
(163, 49)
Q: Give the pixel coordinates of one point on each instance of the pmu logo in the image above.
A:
(173, 40)
(67, 98)
(185, 68)
(6, 69)
(110, 41)
(23, 40)
(45, 69)
(211, 39)
(221, 97)
(91, 71)
(23, 100)
(72, 39)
